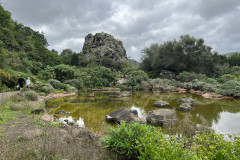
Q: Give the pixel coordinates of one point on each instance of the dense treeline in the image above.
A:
(23, 51)
(187, 54)
(21, 48)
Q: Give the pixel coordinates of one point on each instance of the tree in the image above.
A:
(63, 72)
(186, 54)
(74, 60)
(66, 56)
(234, 59)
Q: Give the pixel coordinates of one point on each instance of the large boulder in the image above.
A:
(186, 104)
(103, 45)
(187, 100)
(124, 115)
(185, 107)
(162, 117)
(161, 103)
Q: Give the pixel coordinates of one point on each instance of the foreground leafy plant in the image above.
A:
(137, 141)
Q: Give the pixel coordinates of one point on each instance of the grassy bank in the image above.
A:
(25, 136)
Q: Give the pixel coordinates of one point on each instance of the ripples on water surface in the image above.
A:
(90, 112)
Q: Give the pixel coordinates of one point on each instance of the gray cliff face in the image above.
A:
(103, 45)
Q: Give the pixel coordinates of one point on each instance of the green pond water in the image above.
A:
(221, 115)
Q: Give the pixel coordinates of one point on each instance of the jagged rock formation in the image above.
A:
(103, 45)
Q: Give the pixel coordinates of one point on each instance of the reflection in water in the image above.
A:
(221, 115)
(228, 123)
(80, 122)
(141, 112)
(63, 119)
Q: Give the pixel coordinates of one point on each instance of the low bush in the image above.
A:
(137, 141)
(212, 81)
(226, 77)
(75, 83)
(66, 87)
(55, 83)
(203, 86)
(136, 77)
(41, 87)
(189, 76)
(230, 88)
(31, 95)
(215, 146)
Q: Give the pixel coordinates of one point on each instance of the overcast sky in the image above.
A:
(137, 23)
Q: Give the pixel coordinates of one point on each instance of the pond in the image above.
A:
(222, 115)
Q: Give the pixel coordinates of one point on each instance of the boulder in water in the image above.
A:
(123, 115)
(162, 117)
(161, 103)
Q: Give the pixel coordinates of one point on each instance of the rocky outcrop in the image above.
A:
(103, 45)
(162, 117)
(124, 115)
(161, 103)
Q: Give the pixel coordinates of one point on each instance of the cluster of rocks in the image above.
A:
(159, 117)
(185, 104)
(125, 115)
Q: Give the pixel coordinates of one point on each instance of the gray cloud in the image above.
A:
(137, 23)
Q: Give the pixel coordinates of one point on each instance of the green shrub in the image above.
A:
(144, 142)
(136, 77)
(63, 72)
(47, 73)
(230, 88)
(66, 87)
(75, 83)
(55, 83)
(43, 87)
(226, 77)
(136, 141)
(212, 81)
(31, 95)
(214, 146)
(189, 76)
(202, 86)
